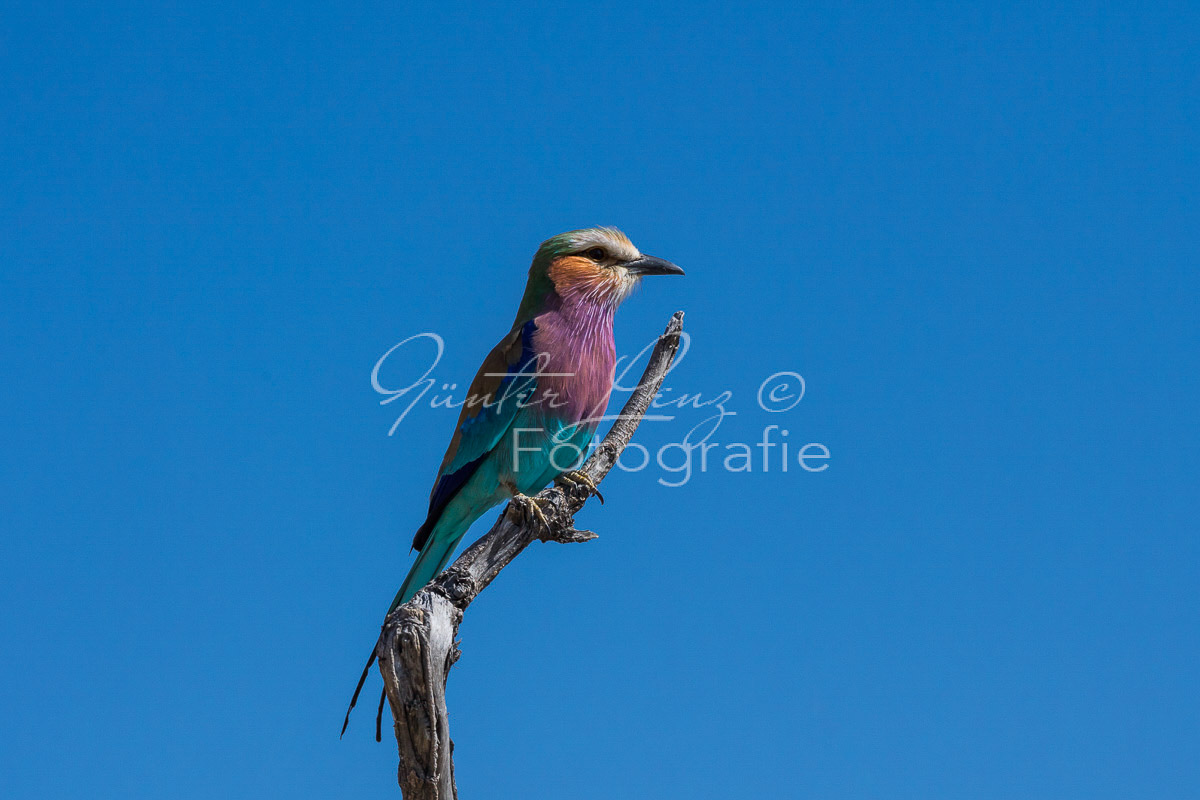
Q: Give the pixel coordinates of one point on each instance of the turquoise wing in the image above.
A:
(506, 379)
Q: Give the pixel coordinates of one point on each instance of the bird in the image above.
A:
(536, 401)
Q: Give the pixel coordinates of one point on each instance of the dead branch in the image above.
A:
(417, 646)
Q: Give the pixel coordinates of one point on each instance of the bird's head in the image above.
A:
(598, 265)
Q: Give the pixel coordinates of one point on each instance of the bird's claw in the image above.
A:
(529, 510)
(578, 477)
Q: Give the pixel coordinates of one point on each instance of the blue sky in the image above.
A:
(973, 231)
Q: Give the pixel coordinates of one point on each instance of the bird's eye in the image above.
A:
(596, 254)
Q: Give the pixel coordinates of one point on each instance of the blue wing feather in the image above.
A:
(482, 426)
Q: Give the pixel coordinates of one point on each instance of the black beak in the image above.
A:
(649, 265)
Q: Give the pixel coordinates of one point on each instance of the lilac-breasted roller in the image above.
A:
(534, 405)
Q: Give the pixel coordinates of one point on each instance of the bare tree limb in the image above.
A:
(417, 646)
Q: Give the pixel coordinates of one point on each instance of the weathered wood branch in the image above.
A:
(417, 646)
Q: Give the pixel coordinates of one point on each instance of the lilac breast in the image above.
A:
(576, 339)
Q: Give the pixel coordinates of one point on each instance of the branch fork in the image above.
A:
(418, 644)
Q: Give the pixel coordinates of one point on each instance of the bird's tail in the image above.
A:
(357, 689)
(429, 563)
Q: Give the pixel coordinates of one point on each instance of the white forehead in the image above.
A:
(611, 239)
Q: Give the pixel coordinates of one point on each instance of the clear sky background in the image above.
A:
(972, 230)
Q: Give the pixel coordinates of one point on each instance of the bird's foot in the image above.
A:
(529, 510)
(577, 477)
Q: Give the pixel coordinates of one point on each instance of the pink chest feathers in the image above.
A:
(577, 361)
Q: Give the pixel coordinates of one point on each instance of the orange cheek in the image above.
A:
(575, 272)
